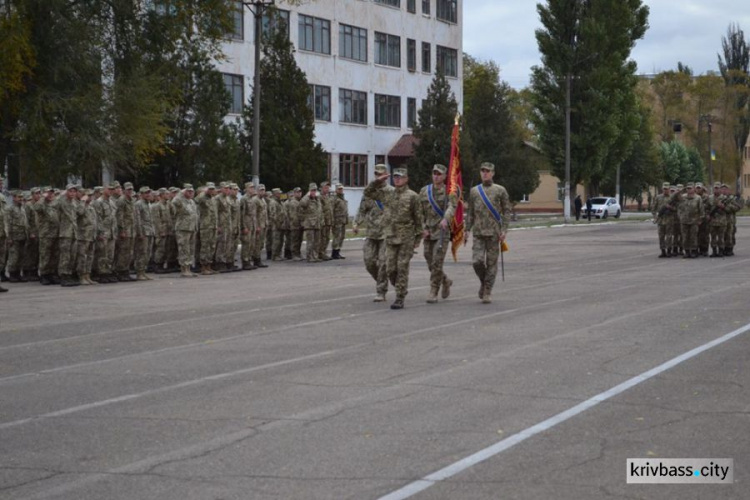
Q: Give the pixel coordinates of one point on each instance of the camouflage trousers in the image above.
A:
(142, 252)
(703, 235)
(312, 244)
(397, 259)
(268, 238)
(208, 246)
(185, 247)
(234, 241)
(222, 245)
(339, 233)
(435, 257)
(15, 255)
(48, 256)
(677, 235)
(67, 258)
(248, 243)
(729, 232)
(31, 256)
(324, 239)
(84, 257)
(665, 237)
(279, 237)
(3, 251)
(172, 250)
(295, 242)
(161, 250)
(374, 256)
(124, 254)
(485, 251)
(717, 235)
(260, 239)
(104, 255)
(689, 236)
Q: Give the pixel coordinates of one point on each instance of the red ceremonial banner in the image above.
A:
(456, 187)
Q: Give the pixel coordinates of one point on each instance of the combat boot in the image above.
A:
(14, 277)
(247, 265)
(380, 297)
(32, 274)
(486, 299)
(44, 280)
(663, 253)
(258, 263)
(269, 254)
(160, 269)
(446, 288)
(287, 255)
(729, 251)
(83, 280)
(55, 279)
(432, 299)
(3, 289)
(205, 271)
(89, 281)
(398, 303)
(141, 276)
(3, 277)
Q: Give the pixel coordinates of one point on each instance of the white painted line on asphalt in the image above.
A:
(451, 470)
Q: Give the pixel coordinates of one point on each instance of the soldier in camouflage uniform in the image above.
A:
(310, 218)
(403, 231)
(295, 225)
(371, 213)
(144, 236)
(248, 226)
(234, 227)
(172, 257)
(31, 251)
(703, 228)
(326, 206)
(340, 219)
(733, 205)
(48, 225)
(17, 232)
(208, 226)
(261, 217)
(106, 236)
(677, 198)
(87, 233)
(438, 210)
(287, 252)
(661, 211)
(161, 216)
(68, 209)
(126, 229)
(3, 235)
(223, 214)
(690, 213)
(489, 228)
(186, 226)
(276, 222)
(717, 220)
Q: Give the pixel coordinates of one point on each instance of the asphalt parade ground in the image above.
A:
(290, 383)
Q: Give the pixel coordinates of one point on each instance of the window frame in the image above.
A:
(447, 11)
(355, 34)
(355, 101)
(315, 101)
(446, 58)
(426, 57)
(411, 112)
(387, 111)
(353, 169)
(411, 54)
(318, 30)
(387, 47)
(236, 82)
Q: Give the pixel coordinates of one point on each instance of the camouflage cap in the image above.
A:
(162, 190)
(233, 185)
(665, 185)
(680, 186)
(188, 187)
(16, 192)
(380, 168)
(98, 189)
(127, 185)
(297, 190)
(487, 166)
(439, 168)
(249, 185)
(47, 189)
(114, 184)
(312, 187)
(689, 185)
(698, 185)
(210, 185)
(88, 192)
(400, 172)
(724, 185)
(276, 191)
(223, 185)
(71, 186)
(174, 189)
(35, 190)
(717, 185)
(339, 186)
(144, 190)
(324, 184)
(261, 187)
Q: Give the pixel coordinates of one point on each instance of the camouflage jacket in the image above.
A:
(106, 219)
(208, 219)
(716, 210)
(261, 211)
(326, 207)
(432, 219)
(690, 210)
(275, 214)
(309, 210)
(3, 208)
(223, 213)
(340, 210)
(161, 216)
(662, 211)
(292, 211)
(16, 223)
(145, 223)
(185, 214)
(87, 223)
(47, 218)
(372, 215)
(126, 217)
(68, 211)
(248, 214)
(479, 219)
(31, 219)
(403, 212)
(234, 215)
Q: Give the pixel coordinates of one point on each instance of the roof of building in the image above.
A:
(404, 148)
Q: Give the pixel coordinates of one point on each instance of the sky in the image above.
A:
(688, 31)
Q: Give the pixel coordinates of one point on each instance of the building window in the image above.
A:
(387, 50)
(447, 60)
(426, 7)
(411, 54)
(525, 198)
(314, 34)
(387, 110)
(352, 106)
(411, 6)
(426, 57)
(236, 88)
(447, 10)
(560, 191)
(352, 42)
(392, 3)
(411, 112)
(353, 170)
(379, 159)
(237, 32)
(319, 101)
(275, 19)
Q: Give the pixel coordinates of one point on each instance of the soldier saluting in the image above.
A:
(487, 216)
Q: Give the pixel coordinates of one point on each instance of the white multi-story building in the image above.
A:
(369, 64)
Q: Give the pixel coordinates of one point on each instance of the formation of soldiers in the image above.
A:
(691, 220)
(105, 234)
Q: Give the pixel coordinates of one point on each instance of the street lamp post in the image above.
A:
(257, 7)
(707, 119)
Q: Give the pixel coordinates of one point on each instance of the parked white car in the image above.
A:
(601, 208)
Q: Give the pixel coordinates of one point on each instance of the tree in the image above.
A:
(587, 45)
(680, 164)
(290, 157)
(496, 137)
(433, 130)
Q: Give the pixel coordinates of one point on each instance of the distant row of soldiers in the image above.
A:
(690, 220)
(80, 235)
